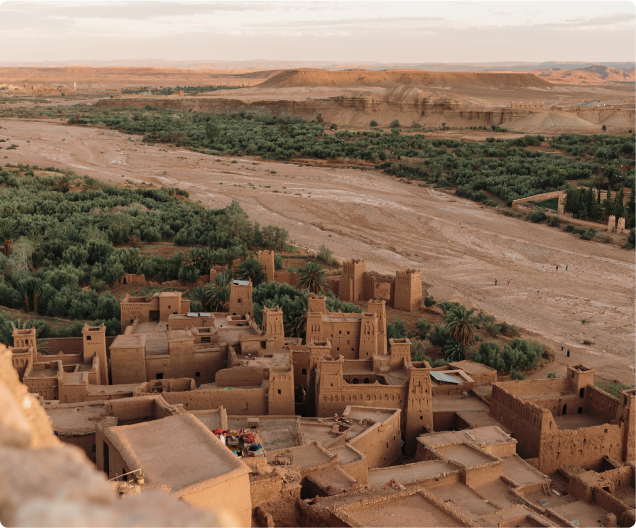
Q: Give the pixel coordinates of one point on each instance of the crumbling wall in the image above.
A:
(381, 444)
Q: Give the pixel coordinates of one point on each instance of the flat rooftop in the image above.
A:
(481, 419)
(470, 367)
(410, 473)
(370, 413)
(464, 454)
(75, 420)
(308, 456)
(333, 480)
(481, 436)
(210, 418)
(347, 454)
(178, 451)
(575, 421)
(277, 438)
(517, 469)
(135, 340)
(270, 359)
(457, 402)
(412, 510)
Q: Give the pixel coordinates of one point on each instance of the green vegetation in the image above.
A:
(191, 90)
(549, 204)
(505, 168)
(429, 301)
(313, 277)
(60, 246)
(614, 388)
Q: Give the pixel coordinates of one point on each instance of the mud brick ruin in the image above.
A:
(217, 416)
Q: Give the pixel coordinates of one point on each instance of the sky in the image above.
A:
(344, 31)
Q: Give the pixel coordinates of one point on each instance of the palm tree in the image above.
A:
(454, 351)
(8, 232)
(461, 324)
(199, 294)
(217, 294)
(313, 277)
(252, 269)
(297, 321)
(192, 257)
(36, 238)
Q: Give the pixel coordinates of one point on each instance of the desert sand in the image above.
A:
(460, 246)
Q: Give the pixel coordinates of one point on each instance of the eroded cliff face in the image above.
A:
(46, 483)
(414, 105)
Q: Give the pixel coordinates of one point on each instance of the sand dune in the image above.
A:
(389, 78)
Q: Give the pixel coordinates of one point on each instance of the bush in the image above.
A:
(554, 221)
(373, 123)
(324, 255)
(440, 335)
(395, 124)
(333, 126)
(278, 262)
(537, 216)
(396, 329)
(552, 375)
(569, 228)
(429, 301)
(447, 305)
(423, 328)
(417, 351)
(517, 375)
(509, 330)
(518, 355)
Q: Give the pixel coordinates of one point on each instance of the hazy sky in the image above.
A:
(329, 31)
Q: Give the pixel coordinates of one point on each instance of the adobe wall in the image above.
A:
(381, 444)
(419, 406)
(408, 290)
(19, 359)
(600, 404)
(47, 387)
(523, 418)
(583, 447)
(351, 285)
(252, 401)
(377, 286)
(240, 377)
(265, 488)
(231, 496)
(281, 397)
(202, 366)
(610, 504)
(266, 258)
(482, 474)
(241, 300)
(286, 277)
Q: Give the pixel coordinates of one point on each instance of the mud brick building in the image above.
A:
(241, 298)
(155, 307)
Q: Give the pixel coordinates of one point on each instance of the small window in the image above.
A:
(239, 301)
(197, 374)
(88, 338)
(340, 331)
(159, 375)
(582, 393)
(421, 418)
(278, 391)
(94, 449)
(605, 431)
(347, 332)
(337, 348)
(304, 372)
(580, 410)
(169, 307)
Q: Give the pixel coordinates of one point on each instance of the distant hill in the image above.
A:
(259, 64)
(595, 74)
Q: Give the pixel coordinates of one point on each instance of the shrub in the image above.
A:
(429, 301)
(569, 228)
(324, 255)
(423, 328)
(447, 305)
(537, 216)
(552, 375)
(588, 234)
(631, 237)
(517, 375)
(417, 351)
(396, 329)
(278, 262)
(509, 330)
(333, 126)
(554, 221)
(373, 123)
(395, 124)
(439, 336)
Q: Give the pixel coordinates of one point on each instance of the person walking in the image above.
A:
(566, 267)
(495, 282)
(537, 291)
(508, 283)
(543, 268)
(557, 268)
(568, 352)
(561, 347)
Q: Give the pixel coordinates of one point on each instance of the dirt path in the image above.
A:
(460, 246)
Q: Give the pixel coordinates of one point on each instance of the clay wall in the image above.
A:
(241, 300)
(381, 444)
(346, 290)
(526, 105)
(265, 488)
(351, 284)
(252, 401)
(85, 442)
(600, 404)
(182, 322)
(316, 303)
(45, 386)
(240, 377)
(286, 277)
(377, 286)
(273, 326)
(300, 359)
(419, 407)
(281, 391)
(19, 359)
(483, 474)
(523, 418)
(408, 290)
(583, 447)
(128, 364)
(266, 258)
(609, 503)
(231, 495)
